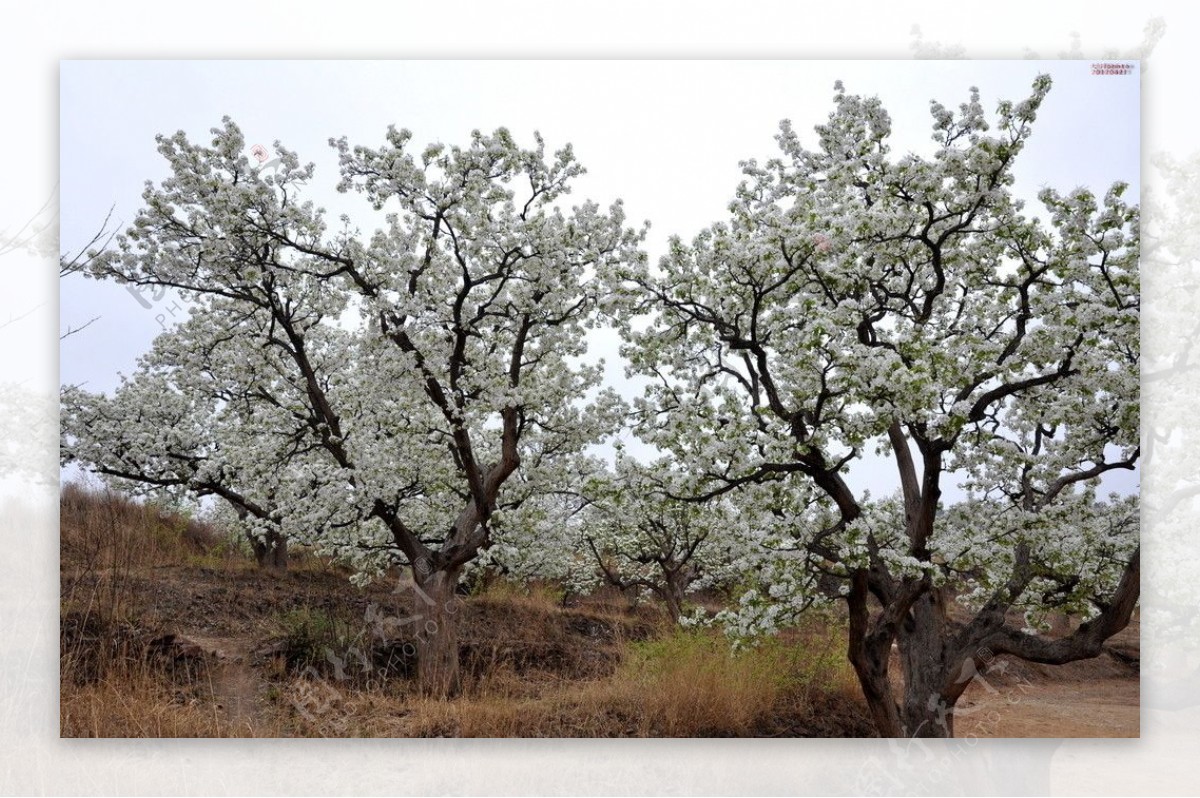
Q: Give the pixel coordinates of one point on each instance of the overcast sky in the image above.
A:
(665, 136)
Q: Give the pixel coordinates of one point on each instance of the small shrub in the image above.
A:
(309, 635)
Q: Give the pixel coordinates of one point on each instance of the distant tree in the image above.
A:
(645, 538)
(543, 522)
(856, 299)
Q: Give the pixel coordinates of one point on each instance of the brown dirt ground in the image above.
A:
(231, 615)
(1099, 697)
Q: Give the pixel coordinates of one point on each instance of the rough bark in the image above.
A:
(435, 613)
(675, 584)
(869, 650)
(940, 659)
(927, 661)
(270, 553)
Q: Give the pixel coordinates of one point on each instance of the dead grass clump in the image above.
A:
(693, 683)
(536, 593)
(140, 703)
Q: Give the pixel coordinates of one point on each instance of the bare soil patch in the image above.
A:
(1100, 697)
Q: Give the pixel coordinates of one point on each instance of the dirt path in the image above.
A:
(1087, 708)
(236, 687)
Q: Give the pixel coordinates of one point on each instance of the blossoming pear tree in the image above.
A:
(377, 393)
(857, 299)
(193, 422)
(644, 535)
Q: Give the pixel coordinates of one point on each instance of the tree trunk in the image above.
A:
(868, 653)
(928, 711)
(872, 671)
(270, 553)
(675, 585)
(435, 611)
(931, 671)
(673, 601)
(929, 697)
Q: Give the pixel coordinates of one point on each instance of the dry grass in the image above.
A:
(535, 593)
(141, 703)
(105, 530)
(688, 684)
(134, 577)
(683, 684)
(694, 684)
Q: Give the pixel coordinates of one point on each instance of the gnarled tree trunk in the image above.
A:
(940, 659)
(676, 578)
(869, 650)
(436, 608)
(672, 594)
(931, 669)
